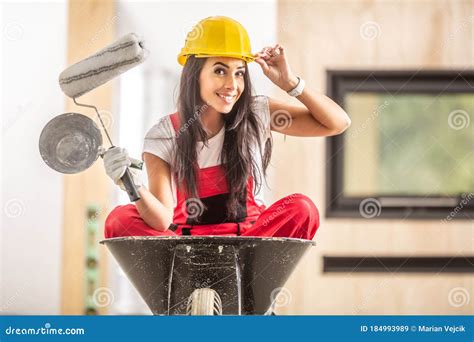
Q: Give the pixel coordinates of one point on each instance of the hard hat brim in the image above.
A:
(182, 58)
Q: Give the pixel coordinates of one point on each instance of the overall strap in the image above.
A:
(176, 121)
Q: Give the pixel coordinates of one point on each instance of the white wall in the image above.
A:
(33, 55)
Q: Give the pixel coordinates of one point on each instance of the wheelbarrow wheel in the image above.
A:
(204, 302)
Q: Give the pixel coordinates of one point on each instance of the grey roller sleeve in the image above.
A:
(111, 61)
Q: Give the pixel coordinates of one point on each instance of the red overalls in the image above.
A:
(294, 216)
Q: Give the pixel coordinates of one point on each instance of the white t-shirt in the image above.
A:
(160, 141)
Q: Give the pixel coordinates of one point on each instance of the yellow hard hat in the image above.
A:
(217, 36)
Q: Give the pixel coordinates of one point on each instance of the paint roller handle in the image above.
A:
(130, 186)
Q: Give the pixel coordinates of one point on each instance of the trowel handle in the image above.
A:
(127, 181)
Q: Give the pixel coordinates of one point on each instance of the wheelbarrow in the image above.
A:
(208, 275)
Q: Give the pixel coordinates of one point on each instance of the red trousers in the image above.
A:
(293, 216)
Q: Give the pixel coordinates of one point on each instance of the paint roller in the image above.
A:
(108, 63)
(69, 143)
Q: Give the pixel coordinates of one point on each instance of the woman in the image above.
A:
(206, 163)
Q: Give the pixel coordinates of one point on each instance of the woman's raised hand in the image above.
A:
(275, 66)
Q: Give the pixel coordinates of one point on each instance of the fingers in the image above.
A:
(265, 53)
(270, 51)
(118, 173)
(116, 161)
(279, 49)
(119, 163)
(136, 178)
(114, 151)
(262, 63)
(117, 170)
(115, 155)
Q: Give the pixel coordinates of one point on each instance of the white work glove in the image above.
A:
(116, 161)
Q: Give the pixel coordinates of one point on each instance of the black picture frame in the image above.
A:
(340, 82)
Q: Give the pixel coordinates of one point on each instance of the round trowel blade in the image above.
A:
(70, 143)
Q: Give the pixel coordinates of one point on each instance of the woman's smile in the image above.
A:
(227, 97)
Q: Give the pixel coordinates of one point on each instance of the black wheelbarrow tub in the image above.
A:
(247, 272)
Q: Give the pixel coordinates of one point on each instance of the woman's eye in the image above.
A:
(217, 71)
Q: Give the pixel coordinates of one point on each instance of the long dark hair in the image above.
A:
(243, 132)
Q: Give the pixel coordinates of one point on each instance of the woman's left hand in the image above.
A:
(275, 66)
